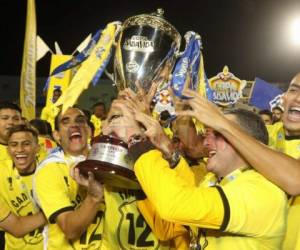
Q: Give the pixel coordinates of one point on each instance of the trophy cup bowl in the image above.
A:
(146, 46)
(146, 51)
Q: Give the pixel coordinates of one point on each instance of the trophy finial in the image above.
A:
(159, 13)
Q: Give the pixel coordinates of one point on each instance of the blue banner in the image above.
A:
(263, 93)
(209, 92)
(188, 64)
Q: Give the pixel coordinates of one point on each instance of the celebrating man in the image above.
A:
(230, 200)
(73, 213)
(16, 191)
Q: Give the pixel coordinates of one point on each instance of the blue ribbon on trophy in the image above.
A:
(209, 92)
(188, 63)
(78, 59)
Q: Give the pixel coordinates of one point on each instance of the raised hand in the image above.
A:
(121, 121)
(155, 132)
(94, 188)
(140, 100)
(203, 110)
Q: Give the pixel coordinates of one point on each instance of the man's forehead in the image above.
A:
(295, 84)
(71, 112)
(22, 135)
(296, 80)
(8, 110)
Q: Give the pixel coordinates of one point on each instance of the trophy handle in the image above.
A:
(178, 54)
(187, 38)
(110, 76)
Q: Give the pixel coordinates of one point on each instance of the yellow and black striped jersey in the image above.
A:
(124, 226)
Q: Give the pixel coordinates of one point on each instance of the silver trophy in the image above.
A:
(146, 51)
(147, 46)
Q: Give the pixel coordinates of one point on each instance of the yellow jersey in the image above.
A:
(124, 226)
(56, 192)
(177, 234)
(46, 145)
(49, 113)
(246, 210)
(16, 192)
(97, 124)
(289, 145)
(199, 171)
(4, 210)
(4, 156)
(168, 131)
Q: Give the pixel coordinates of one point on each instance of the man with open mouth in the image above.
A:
(10, 114)
(233, 207)
(73, 213)
(16, 191)
(285, 137)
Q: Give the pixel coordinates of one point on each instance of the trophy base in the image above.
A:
(110, 174)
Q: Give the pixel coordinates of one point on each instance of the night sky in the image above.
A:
(250, 36)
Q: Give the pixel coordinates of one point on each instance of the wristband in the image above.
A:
(173, 159)
(134, 139)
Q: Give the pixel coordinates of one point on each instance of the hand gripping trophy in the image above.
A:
(146, 46)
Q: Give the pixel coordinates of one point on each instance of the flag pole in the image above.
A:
(251, 90)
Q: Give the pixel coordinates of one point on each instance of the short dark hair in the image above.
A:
(42, 126)
(99, 104)
(23, 128)
(278, 108)
(265, 112)
(57, 89)
(87, 113)
(56, 121)
(164, 115)
(251, 123)
(10, 105)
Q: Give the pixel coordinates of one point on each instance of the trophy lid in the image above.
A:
(155, 20)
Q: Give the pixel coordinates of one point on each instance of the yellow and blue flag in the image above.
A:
(91, 68)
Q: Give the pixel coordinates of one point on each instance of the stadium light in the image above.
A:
(295, 31)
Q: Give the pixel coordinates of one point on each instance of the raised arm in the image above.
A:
(279, 168)
(74, 223)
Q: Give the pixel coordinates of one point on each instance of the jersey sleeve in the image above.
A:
(163, 229)
(186, 173)
(51, 190)
(257, 207)
(176, 200)
(4, 210)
